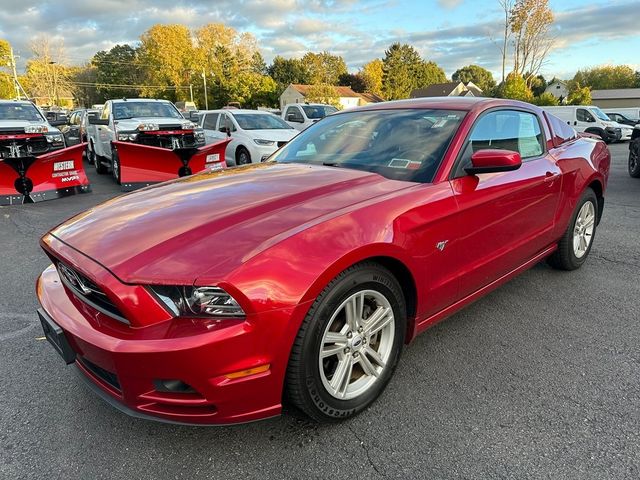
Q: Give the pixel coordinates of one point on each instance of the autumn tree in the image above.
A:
(606, 77)
(545, 99)
(288, 70)
(7, 89)
(578, 95)
(372, 74)
(515, 87)
(530, 24)
(404, 71)
(476, 74)
(47, 75)
(323, 93)
(324, 68)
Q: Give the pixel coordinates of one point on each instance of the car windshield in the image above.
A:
(600, 114)
(19, 111)
(318, 111)
(397, 144)
(124, 110)
(260, 121)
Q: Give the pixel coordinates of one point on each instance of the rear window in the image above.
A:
(562, 132)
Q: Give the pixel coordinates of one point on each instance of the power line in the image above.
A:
(116, 85)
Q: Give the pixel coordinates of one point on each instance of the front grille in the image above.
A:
(24, 147)
(109, 378)
(186, 140)
(281, 144)
(87, 291)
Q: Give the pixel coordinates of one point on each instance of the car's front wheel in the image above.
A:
(634, 158)
(243, 157)
(348, 345)
(115, 167)
(575, 244)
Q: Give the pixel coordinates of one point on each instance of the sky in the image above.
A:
(453, 33)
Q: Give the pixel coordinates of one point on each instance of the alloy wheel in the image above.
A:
(583, 229)
(357, 344)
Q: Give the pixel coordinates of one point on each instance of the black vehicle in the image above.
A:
(75, 130)
(620, 118)
(634, 154)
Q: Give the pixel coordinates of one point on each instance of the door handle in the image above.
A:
(551, 177)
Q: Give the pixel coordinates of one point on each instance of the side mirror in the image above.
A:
(292, 117)
(98, 121)
(491, 161)
(57, 123)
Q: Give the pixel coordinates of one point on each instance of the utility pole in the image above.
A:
(191, 92)
(16, 84)
(206, 100)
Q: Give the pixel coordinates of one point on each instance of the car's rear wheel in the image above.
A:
(348, 345)
(634, 159)
(575, 244)
(243, 157)
(115, 167)
(96, 160)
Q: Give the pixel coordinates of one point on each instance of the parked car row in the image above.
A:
(591, 119)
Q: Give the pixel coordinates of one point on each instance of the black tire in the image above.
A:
(304, 387)
(96, 159)
(243, 157)
(564, 258)
(634, 158)
(115, 167)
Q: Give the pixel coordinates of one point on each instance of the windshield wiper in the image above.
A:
(331, 164)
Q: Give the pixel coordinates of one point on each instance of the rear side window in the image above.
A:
(210, 121)
(562, 132)
(294, 113)
(504, 130)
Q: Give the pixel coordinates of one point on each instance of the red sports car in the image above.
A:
(214, 298)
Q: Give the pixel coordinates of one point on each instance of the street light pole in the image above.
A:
(204, 81)
(191, 92)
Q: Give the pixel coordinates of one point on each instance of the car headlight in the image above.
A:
(147, 127)
(199, 134)
(36, 129)
(259, 141)
(198, 302)
(127, 137)
(189, 126)
(55, 138)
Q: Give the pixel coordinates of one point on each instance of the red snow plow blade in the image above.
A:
(143, 165)
(45, 177)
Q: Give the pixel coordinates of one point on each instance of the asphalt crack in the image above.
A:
(366, 451)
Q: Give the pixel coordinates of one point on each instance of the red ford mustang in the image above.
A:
(212, 298)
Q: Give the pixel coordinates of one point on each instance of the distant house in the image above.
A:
(617, 97)
(558, 89)
(451, 89)
(296, 93)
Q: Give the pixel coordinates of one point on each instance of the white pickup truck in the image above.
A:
(156, 123)
(302, 115)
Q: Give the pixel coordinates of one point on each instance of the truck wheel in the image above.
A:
(242, 156)
(634, 158)
(96, 160)
(115, 167)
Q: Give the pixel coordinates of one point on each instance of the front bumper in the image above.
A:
(124, 364)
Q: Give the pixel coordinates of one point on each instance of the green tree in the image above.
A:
(578, 95)
(323, 93)
(538, 84)
(288, 70)
(354, 81)
(372, 74)
(324, 68)
(606, 77)
(118, 66)
(516, 88)
(404, 71)
(545, 99)
(476, 74)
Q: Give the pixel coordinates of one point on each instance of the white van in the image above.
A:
(588, 119)
(630, 113)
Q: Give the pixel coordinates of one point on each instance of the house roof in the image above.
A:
(615, 93)
(371, 97)
(342, 91)
(435, 90)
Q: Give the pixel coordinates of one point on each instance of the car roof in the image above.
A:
(17, 101)
(448, 103)
(124, 100)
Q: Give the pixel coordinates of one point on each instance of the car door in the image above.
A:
(105, 132)
(505, 218)
(209, 123)
(294, 117)
(225, 123)
(584, 120)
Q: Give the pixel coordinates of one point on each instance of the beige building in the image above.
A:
(296, 93)
(617, 97)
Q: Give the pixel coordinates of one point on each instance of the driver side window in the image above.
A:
(584, 116)
(504, 130)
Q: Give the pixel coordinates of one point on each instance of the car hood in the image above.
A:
(213, 222)
(20, 124)
(275, 134)
(132, 123)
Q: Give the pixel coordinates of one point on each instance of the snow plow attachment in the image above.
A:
(52, 175)
(143, 165)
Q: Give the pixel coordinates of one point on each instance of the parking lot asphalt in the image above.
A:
(540, 379)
